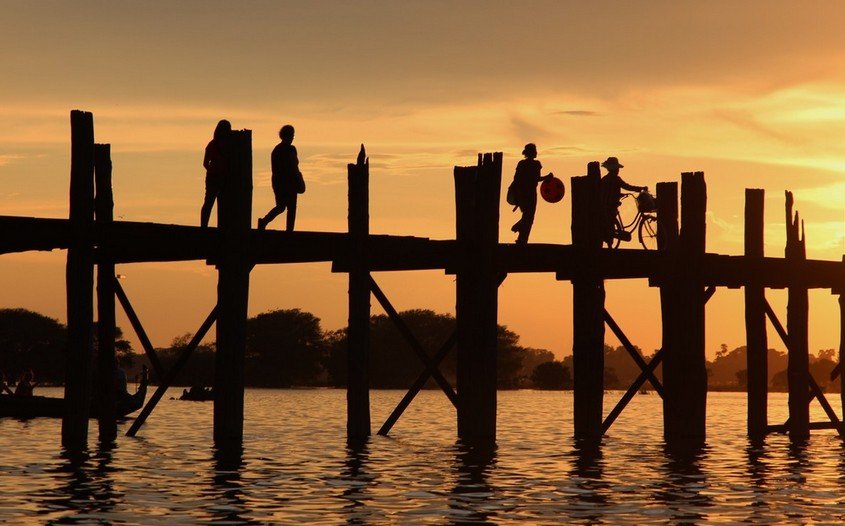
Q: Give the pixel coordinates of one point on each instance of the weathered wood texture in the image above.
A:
(235, 219)
(477, 192)
(841, 353)
(797, 315)
(755, 319)
(106, 359)
(588, 307)
(80, 284)
(684, 368)
(358, 338)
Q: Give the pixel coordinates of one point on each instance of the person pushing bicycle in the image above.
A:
(611, 196)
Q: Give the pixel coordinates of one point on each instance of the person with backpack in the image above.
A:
(287, 179)
(523, 191)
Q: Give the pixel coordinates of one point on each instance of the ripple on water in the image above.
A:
(296, 467)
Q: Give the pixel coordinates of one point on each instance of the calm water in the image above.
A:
(296, 469)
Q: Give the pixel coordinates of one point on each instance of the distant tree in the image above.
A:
(551, 375)
(32, 341)
(199, 370)
(611, 381)
(742, 377)
(284, 348)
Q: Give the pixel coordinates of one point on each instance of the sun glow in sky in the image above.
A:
(752, 93)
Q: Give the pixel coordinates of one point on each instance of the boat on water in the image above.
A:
(51, 407)
(197, 394)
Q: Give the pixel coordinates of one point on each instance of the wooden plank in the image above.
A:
(413, 342)
(149, 350)
(783, 428)
(234, 207)
(80, 285)
(106, 325)
(358, 382)
(587, 308)
(170, 376)
(755, 320)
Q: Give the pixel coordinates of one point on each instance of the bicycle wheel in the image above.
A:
(618, 228)
(648, 232)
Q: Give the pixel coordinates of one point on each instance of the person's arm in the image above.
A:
(294, 160)
(630, 187)
(206, 161)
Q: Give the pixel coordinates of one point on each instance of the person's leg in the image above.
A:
(291, 218)
(271, 215)
(211, 190)
(528, 211)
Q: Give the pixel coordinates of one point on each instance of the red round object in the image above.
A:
(552, 190)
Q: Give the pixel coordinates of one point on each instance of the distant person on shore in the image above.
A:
(524, 189)
(287, 180)
(25, 384)
(216, 168)
(611, 196)
(4, 387)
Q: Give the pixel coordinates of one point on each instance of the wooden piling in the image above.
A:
(684, 368)
(234, 264)
(477, 193)
(106, 360)
(842, 350)
(755, 319)
(797, 316)
(80, 284)
(588, 308)
(358, 365)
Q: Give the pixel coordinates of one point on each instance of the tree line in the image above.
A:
(287, 348)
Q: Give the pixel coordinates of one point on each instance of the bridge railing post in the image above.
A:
(797, 315)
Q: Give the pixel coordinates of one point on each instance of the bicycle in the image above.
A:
(644, 223)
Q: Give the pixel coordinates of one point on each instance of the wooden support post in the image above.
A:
(684, 368)
(234, 220)
(80, 285)
(842, 351)
(106, 359)
(755, 320)
(477, 191)
(358, 380)
(797, 316)
(588, 308)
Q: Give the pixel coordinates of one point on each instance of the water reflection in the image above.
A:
(228, 503)
(589, 490)
(683, 484)
(86, 493)
(358, 480)
(472, 499)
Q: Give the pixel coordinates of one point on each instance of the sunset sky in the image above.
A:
(752, 93)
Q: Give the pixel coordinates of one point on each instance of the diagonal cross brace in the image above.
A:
(815, 391)
(646, 374)
(641, 363)
(406, 333)
(419, 383)
(171, 374)
(149, 350)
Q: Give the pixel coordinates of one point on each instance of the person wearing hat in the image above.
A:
(611, 195)
(525, 181)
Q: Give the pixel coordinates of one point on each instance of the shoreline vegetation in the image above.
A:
(288, 348)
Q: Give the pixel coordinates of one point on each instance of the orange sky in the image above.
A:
(751, 93)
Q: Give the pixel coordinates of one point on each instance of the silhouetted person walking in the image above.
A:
(216, 168)
(524, 186)
(287, 179)
(611, 196)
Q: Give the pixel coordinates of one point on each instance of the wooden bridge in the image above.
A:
(685, 273)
